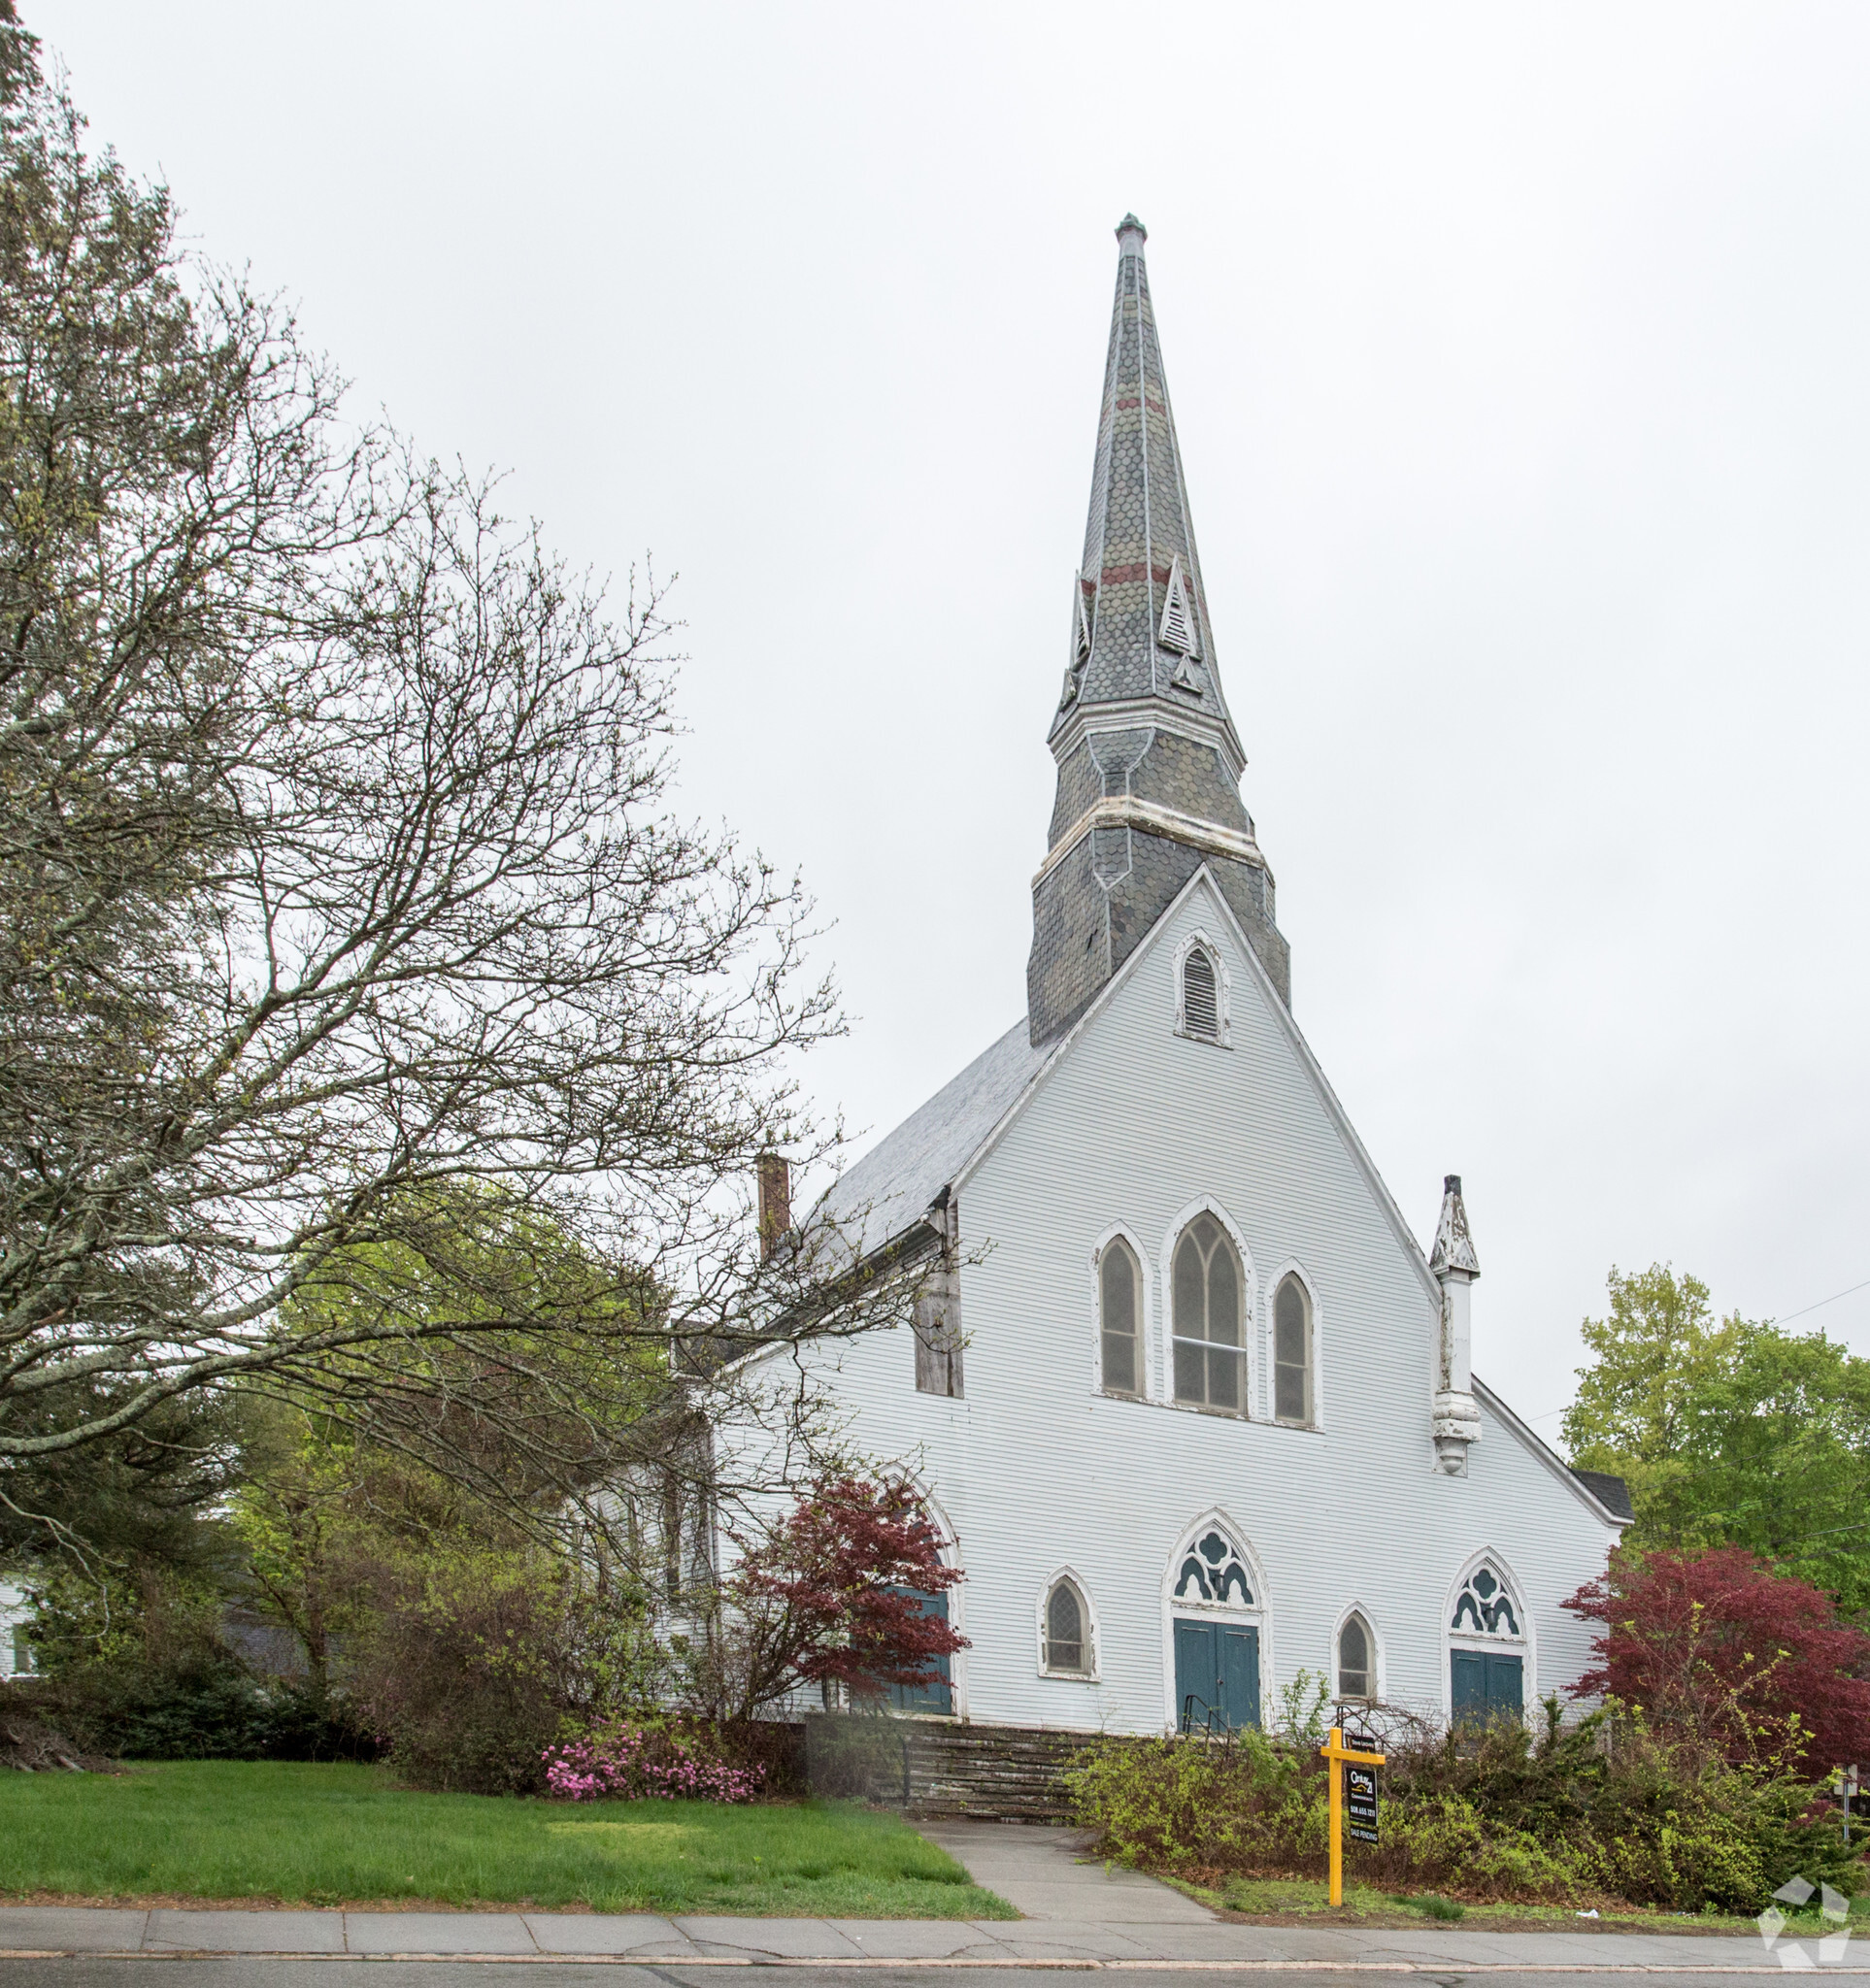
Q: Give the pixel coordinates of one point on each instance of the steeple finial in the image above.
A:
(1130, 225)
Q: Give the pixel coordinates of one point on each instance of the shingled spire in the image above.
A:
(1149, 760)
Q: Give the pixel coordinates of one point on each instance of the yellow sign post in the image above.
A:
(1337, 1753)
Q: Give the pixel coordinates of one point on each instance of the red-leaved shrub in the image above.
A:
(1717, 1650)
(832, 1594)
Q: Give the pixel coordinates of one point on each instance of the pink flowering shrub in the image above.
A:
(676, 1763)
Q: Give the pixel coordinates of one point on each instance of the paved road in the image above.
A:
(89, 1971)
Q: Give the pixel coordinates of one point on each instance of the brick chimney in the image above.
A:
(775, 1202)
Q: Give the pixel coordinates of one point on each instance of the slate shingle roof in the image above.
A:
(1139, 524)
(1612, 1493)
(890, 1190)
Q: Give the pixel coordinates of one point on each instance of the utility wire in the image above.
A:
(1823, 1302)
(1545, 1415)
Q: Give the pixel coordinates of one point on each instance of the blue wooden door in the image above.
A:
(1217, 1668)
(936, 1693)
(1485, 1686)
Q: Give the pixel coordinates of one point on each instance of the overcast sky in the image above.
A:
(1521, 361)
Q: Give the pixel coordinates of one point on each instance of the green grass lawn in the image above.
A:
(303, 1835)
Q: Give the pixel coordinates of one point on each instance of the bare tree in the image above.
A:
(370, 1032)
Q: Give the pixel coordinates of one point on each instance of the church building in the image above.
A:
(1189, 1401)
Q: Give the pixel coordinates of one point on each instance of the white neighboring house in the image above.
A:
(15, 1613)
(1188, 1397)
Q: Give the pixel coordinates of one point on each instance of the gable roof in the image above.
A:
(894, 1185)
(1607, 1497)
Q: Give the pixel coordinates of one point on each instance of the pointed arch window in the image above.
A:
(1293, 1353)
(1119, 1307)
(1485, 1607)
(1200, 995)
(1213, 1571)
(1208, 1350)
(1357, 1660)
(1068, 1648)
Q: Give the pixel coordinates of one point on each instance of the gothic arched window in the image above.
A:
(1067, 1630)
(1292, 1352)
(1485, 1606)
(1200, 995)
(1209, 1355)
(1213, 1571)
(1356, 1659)
(1120, 1294)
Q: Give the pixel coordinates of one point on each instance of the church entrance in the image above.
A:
(1217, 1675)
(936, 1692)
(1485, 1686)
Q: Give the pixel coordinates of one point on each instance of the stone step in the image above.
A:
(1010, 1772)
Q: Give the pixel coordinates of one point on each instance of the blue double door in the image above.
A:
(1216, 1673)
(1485, 1687)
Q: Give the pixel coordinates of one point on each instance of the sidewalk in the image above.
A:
(57, 1930)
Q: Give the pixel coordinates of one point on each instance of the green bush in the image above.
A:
(1497, 1816)
(222, 1714)
(137, 1669)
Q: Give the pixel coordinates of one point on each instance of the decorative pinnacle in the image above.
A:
(1130, 225)
(1454, 1251)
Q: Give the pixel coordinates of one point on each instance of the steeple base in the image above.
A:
(1093, 906)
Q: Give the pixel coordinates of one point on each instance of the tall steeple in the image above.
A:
(1149, 760)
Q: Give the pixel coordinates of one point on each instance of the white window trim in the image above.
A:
(1249, 1312)
(1223, 1036)
(1524, 1646)
(1294, 1268)
(1378, 1659)
(1090, 1675)
(1146, 1346)
(1217, 1519)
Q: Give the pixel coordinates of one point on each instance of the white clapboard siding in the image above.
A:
(1036, 1471)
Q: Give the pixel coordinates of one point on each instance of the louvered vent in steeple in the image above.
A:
(1177, 619)
(1200, 1005)
(1081, 642)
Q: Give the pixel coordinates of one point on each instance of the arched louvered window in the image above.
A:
(1067, 1631)
(1292, 1352)
(1119, 1293)
(1209, 1355)
(1356, 1659)
(1200, 996)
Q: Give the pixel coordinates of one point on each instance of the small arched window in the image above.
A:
(1208, 1350)
(1068, 1642)
(1292, 1352)
(1120, 1289)
(1200, 996)
(1356, 1659)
